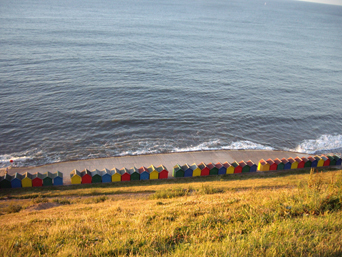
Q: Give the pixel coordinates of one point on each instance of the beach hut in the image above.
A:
(5, 181)
(196, 171)
(177, 171)
(205, 171)
(280, 164)
(263, 165)
(244, 166)
(287, 164)
(116, 175)
(313, 161)
(154, 174)
(144, 174)
(252, 166)
(16, 180)
(37, 179)
(86, 176)
(307, 162)
(221, 169)
(27, 180)
(273, 165)
(134, 172)
(212, 169)
(96, 176)
(47, 179)
(125, 176)
(163, 172)
(338, 160)
(332, 160)
(58, 178)
(320, 161)
(326, 160)
(237, 167)
(187, 170)
(75, 177)
(106, 175)
(229, 168)
(294, 164)
(300, 162)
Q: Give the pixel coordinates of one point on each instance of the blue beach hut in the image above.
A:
(106, 176)
(252, 166)
(187, 170)
(221, 169)
(144, 174)
(57, 178)
(287, 164)
(313, 161)
(16, 180)
(338, 160)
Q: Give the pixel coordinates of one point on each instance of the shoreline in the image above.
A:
(167, 159)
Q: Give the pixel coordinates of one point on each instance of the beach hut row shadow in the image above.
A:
(219, 168)
(113, 175)
(31, 180)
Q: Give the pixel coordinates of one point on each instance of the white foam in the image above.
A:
(18, 159)
(323, 143)
(216, 145)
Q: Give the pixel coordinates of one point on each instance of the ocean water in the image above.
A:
(85, 79)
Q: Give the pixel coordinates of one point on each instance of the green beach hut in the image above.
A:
(332, 160)
(212, 169)
(307, 162)
(47, 179)
(177, 171)
(96, 176)
(280, 164)
(134, 172)
(244, 166)
(5, 181)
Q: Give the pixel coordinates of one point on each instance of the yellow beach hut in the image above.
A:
(27, 180)
(320, 161)
(154, 174)
(75, 177)
(116, 174)
(294, 163)
(263, 165)
(195, 170)
(230, 168)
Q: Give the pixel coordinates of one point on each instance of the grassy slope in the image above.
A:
(273, 214)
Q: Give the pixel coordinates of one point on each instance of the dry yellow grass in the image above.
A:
(291, 215)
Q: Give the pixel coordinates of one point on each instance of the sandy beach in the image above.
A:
(167, 159)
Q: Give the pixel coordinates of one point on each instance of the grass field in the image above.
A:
(287, 213)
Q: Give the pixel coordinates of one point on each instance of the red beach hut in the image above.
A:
(125, 176)
(163, 172)
(204, 169)
(37, 180)
(300, 161)
(326, 160)
(237, 167)
(86, 176)
(273, 165)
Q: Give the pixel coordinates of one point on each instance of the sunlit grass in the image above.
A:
(293, 215)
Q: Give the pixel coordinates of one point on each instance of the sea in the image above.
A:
(83, 79)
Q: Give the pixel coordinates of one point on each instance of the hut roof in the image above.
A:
(75, 173)
(123, 171)
(202, 165)
(262, 162)
(270, 161)
(210, 165)
(242, 164)
(311, 158)
(226, 164)
(142, 169)
(277, 161)
(318, 158)
(96, 172)
(85, 172)
(17, 176)
(291, 160)
(133, 170)
(105, 172)
(218, 165)
(151, 168)
(304, 159)
(250, 163)
(48, 174)
(324, 158)
(161, 168)
(27, 175)
(6, 177)
(114, 171)
(298, 159)
(336, 157)
(37, 175)
(284, 160)
(235, 164)
(185, 167)
(193, 166)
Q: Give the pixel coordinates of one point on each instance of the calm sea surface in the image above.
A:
(96, 78)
